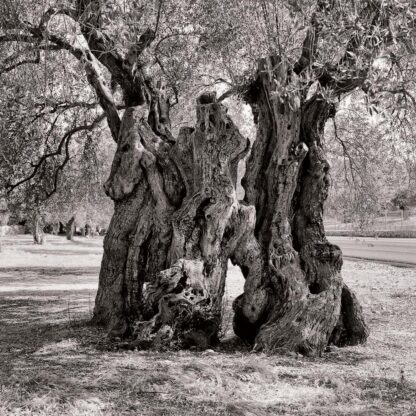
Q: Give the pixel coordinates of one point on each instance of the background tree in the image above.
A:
(44, 150)
(365, 167)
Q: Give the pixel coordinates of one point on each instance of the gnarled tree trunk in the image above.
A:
(178, 221)
(293, 301)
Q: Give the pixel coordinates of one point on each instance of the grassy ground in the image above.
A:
(53, 363)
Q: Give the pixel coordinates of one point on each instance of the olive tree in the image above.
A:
(177, 219)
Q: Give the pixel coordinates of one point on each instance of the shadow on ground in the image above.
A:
(52, 362)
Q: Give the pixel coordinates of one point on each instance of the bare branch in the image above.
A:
(94, 75)
(104, 93)
(36, 60)
(63, 145)
(18, 37)
(159, 12)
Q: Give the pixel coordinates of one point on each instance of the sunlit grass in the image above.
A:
(53, 363)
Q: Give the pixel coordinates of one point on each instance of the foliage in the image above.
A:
(366, 171)
(404, 199)
(45, 118)
(59, 57)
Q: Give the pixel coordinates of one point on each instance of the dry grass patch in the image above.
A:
(53, 363)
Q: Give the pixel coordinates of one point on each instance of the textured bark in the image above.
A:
(145, 186)
(292, 297)
(174, 228)
(129, 233)
(319, 256)
(178, 221)
(188, 295)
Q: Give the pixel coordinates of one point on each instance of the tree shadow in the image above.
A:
(62, 252)
(52, 271)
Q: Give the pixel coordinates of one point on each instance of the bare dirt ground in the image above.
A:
(53, 363)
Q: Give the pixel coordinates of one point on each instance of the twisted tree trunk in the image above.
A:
(177, 222)
(294, 300)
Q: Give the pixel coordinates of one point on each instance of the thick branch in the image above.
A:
(103, 48)
(374, 18)
(105, 96)
(18, 37)
(94, 75)
(35, 60)
(309, 46)
(95, 78)
(63, 145)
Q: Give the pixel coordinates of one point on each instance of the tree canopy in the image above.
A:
(126, 48)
